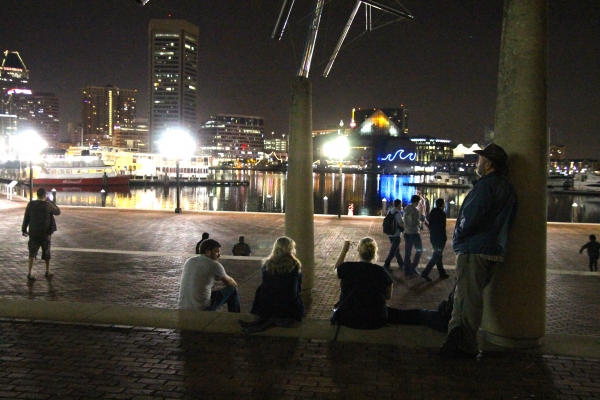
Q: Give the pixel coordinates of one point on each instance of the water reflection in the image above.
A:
(368, 194)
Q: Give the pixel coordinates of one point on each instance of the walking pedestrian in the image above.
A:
(436, 222)
(396, 237)
(412, 238)
(593, 250)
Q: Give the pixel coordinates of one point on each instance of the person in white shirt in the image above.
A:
(198, 277)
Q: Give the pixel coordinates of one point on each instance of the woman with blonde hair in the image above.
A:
(278, 296)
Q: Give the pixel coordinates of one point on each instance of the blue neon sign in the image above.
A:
(392, 157)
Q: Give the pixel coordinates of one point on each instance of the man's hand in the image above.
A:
(25, 234)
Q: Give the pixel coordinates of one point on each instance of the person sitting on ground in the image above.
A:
(198, 277)
(365, 288)
(241, 248)
(204, 237)
(278, 299)
(593, 250)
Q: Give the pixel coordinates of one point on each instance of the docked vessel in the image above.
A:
(76, 171)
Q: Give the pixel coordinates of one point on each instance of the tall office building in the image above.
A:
(173, 77)
(13, 75)
(104, 108)
(233, 137)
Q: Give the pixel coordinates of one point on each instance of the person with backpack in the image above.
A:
(393, 226)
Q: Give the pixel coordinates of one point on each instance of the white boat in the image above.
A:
(586, 181)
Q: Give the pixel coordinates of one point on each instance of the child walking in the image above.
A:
(593, 250)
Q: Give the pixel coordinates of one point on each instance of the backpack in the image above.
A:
(389, 224)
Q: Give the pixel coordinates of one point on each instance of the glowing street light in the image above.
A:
(177, 143)
(28, 145)
(338, 149)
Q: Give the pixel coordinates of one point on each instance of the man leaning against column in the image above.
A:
(480, 239)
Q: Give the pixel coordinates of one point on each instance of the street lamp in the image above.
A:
(338, 149)
(177, 143)
(29, 145)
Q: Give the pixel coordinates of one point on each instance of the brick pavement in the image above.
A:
(57, 361)
(43, 360)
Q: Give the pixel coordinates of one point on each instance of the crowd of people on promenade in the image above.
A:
(479, 240)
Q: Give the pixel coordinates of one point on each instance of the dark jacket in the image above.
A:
(39, 218)
(437, 227)
(485, 217)
(279, 296)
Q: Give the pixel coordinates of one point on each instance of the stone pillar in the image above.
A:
(299, 203)
(515, 301)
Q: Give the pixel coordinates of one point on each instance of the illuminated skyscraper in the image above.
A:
(233, 137)
(104, 108)
(13, 75)
(173, 77)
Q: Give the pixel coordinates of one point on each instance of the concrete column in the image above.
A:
(299, 203)
(515, 301)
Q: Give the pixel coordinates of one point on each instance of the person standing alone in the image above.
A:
(593, 250)
(39, 225)
(480, 240)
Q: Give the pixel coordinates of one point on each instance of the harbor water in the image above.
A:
(361, 194)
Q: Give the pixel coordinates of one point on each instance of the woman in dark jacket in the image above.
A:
(279, 294)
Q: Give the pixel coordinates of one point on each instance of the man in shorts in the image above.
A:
(39, 225)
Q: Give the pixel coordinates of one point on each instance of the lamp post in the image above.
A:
(338, 149)
(29, 145)
(177, 143)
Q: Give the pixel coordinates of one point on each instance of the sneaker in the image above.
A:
(30, 278)
(445, 276)
(428, 279)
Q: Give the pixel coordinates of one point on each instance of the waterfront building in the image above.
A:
(173, 77)
(398, 116)
(233, 137)
(557, 152)
(429, 150)
(133, 135)
(103, 109)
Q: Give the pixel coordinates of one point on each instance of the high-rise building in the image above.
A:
(104, 108)
(132, 135)
(233, 137)
(13, 75)
(173, 77)
(37, 111)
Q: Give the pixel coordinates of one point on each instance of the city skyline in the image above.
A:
(442, 66)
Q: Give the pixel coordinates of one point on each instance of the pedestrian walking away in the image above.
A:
(412, 238)
(593, 250)
(198, 277)
(395, 236)
(39, 224)
(480, 239)
(436, 222)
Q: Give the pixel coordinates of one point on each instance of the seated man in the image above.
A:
(198, 277)
(241, 248)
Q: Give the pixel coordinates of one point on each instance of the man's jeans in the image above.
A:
(394, 251)
(436, 259)
(411, 240)
(227, 295)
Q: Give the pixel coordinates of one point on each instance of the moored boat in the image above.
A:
(76, 171)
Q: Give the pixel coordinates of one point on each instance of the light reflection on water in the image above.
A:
(265, 193)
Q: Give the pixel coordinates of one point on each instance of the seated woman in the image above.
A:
(278, 298)
(365, 288)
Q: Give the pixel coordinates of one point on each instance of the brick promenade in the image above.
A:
(134, 258)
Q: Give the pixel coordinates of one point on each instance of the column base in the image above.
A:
(503, 343)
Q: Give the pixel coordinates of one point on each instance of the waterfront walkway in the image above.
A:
(106, 325)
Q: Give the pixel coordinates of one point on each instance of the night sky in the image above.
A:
(442, 65)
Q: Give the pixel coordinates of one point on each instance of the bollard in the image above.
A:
(383, 206)
(325, 203)
(53, 196)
